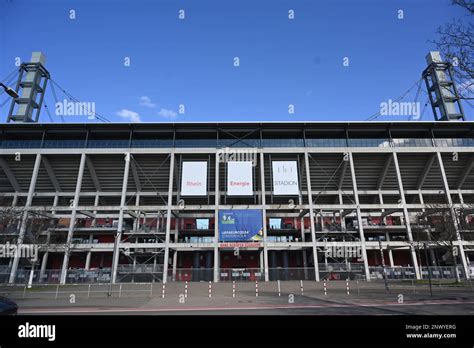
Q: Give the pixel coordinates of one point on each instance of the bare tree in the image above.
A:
(39, 224)
(437, 229)
(456, 42)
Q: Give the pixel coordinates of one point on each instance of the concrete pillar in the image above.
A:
(175, 253)
(390, 252)
(455, 217)
(311, 217)
(96, 203)
(168, 219)
(285, 264)
(88, 261)
(303, 238)
(15, 199)
(196, 266)
(273, 264)
(208, 263)
(72, 221)
(175, 263)
(341, 212)
(406, 216)
(216, 219)
(24, 219)
(431, 251)
(264, 215)
(118, 236)
(359, 217)
(44, 262)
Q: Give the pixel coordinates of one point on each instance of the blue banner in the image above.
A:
(240, 225)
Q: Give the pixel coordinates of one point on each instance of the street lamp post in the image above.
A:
(428, 266)
(10, 91)
(383, 264)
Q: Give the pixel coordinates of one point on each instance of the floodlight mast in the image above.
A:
(440, 85)
(29, 92)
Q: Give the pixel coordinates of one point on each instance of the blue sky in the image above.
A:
(191, 61)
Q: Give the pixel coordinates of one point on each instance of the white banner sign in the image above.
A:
(285, 178)
(239, 178)
(194, 179)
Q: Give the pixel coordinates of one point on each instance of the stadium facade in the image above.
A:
(236, 201)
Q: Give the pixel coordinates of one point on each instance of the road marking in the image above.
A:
(257, 307)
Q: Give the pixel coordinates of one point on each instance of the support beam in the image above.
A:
(51, 174)
(454, 216)
(44, 262)
(136, 177)
(24, 219)
(175, 253)
(72, 221)
(311, 217)
(465, 172)
(216, 220)
(87, 213)
(118, 236)
(10, 176)
(359, 218)
(264, 214)
(406, 216)
(343, 174)
(95, 179)
(426, 170)
(383, 174)
(168, 218)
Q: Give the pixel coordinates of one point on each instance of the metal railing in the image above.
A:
(154, 273)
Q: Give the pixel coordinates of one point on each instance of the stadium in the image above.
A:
(161, 202)
(107, 200)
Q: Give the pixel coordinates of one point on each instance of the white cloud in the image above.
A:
(169, 114)
(129, 115)
(146, 101)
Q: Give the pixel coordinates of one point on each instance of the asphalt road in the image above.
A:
(291, 300)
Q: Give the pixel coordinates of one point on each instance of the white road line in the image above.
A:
(263, 307)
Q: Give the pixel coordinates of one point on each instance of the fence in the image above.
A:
(401, 273)
(150, 274)
(237, 290)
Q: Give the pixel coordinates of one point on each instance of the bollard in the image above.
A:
(347, 286)
(256, 288)
(163, 291)
(325, 289)
(57, 289)
(186, 289)
(233, 289)
(88, 291)
(120, 290)
(210, 289)
(279, 288)
(302, 290)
